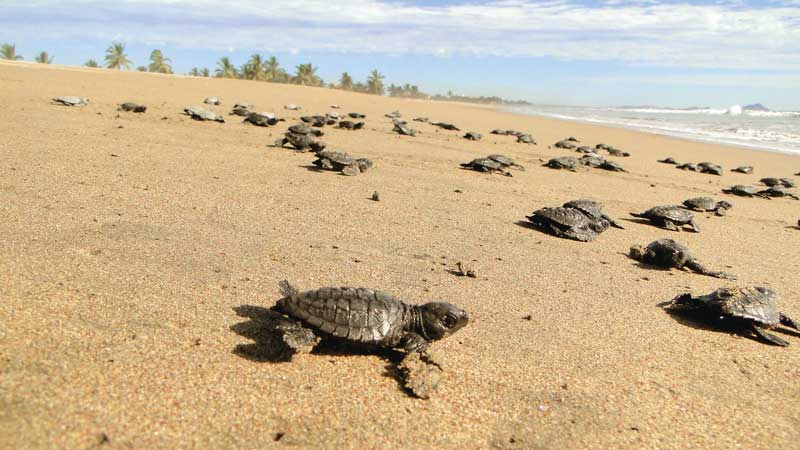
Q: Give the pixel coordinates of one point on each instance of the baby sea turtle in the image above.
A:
(743, 169)
(708, 167)
(668, 160)
(669, 217)
(586, 149)
(355, 115)
(742, 191)
(341, 162)
(498, 132)
(445, 126)
(747, 309)
(262, 119)
(777, 191)
(704, 204)
(212, 101)
(71, 101)
(240, 110)
(668, 253)
(132, 107)
(485, 165)
(617, 152)
(350, 125)
(393, 115)
(372, 318)
(505, 161)
(526, 139)
(592, 160)
(567, 223)
(404, 130)
(198, 113)
(421, 119)
(688, 166)
(566, 144)
(564, 162)
(473, 136)
(593, 210)
(785, 182)
(612, 166)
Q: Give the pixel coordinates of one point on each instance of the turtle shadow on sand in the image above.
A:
(644, 265)
(708, 324)
(277, 338)
(635, 220)
(527, 224)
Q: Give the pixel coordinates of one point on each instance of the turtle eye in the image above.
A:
(449, 321)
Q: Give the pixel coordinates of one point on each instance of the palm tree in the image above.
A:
(44, 58)
(272, 69)
(307, 75)
(91, 63)
(142, 68)
(254, 69)
(346, 82)
(158, 63)
(205, 72)
(194, 72)
(9, 51)
(375, 82)
(116, 57)
(226, 69)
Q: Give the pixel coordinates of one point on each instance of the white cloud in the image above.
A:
(723, 35)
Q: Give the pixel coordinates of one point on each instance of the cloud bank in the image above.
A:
(731, 35)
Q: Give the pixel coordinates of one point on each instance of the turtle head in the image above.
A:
(440, 319)
(722, 204)
(685, 303)
(636, 252)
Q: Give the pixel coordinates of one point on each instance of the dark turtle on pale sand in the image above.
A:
(499, 132)
(566, 144)
(342, 162)
(668, 160)
(612, 166)
(355, 115)
(707, 167)
(743, 169)
(668, 254)
(486, 165)
(262, 119)
(399, 128)
(671, 217)
(445, 126)
(350, 125)
(592, 160)
(771, 182)
(240, 110)
(212, 101)
(704, 204)
(586, 149)
(473, 136)
(593, 210)
(505, 161)
(132, 107)
(371, 318)
(777, 191)
(745, 310)
(567, 223)
(304, 129)
(617, 152)
(198, 113)
(564, 162)
(300, 138)
(526, 139)
(71, 101)
(688, 166)
(742, 191)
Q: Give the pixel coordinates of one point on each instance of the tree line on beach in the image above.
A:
(258, 68)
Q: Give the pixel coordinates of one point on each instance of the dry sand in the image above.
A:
(126, 242)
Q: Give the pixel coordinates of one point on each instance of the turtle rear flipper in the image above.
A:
(768, 337)
(789, 322)
(612, 222)
(699, 268)
(694, 226)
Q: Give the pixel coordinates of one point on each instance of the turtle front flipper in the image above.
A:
(612, 222)
(789, 322)
(412, 342)
(671, 226)
(699, 268)
(770, 338)
(694, 226)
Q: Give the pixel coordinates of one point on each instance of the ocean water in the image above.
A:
(764, 130)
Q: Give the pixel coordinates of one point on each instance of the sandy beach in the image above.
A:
(128, 242)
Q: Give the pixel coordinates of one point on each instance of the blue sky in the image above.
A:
(613, 52)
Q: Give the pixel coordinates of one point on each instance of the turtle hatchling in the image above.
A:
(261, 119)
(743, 169)
(71, 101)
(212, 101)
(342, 162)
(505, 161)
(593, 210)
(707, 167)
(668, 160)
(198, 113)
(704, 204)
(240, 110)
(132, 107)
(670, 217)
(473, 136)
(355, 115)
(350, 125)
(404, 130)
(777, 191)
(526, 139)
(485, 165)
(586, 149)
(567, 223)
(445, 126)
(372, 318)
(612, 166)
(745, 310)
(566, 144)
(668, 254)
(592, 160)
(688, 166)
(617, 152)
(742, 191)
(771, 182)
(564, 162)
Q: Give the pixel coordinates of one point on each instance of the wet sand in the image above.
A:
(128, 242)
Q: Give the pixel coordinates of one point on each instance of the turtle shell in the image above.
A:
(770, 181)
(564, 162)
(337, 157)
(612, 166)
(752, 303)
(526, 139)
(742, 190)
(566, 144)
(589, 207)
(300, 129)
(502, 159)
(673, 213)
(701, 203)
(485, 164)
(565, 217)
(668, 160)
(354, 314)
